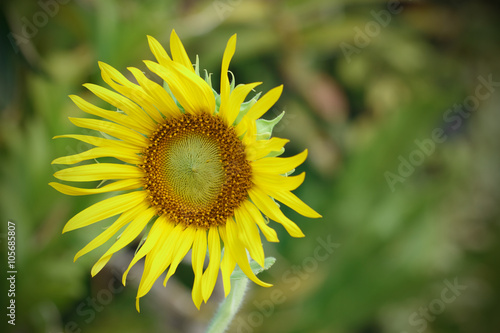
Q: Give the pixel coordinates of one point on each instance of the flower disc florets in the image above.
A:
(196, 170)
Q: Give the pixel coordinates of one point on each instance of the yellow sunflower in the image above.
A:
(199, 166)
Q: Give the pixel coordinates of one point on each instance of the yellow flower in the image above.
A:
(197, 165)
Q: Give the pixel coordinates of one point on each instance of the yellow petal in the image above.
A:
(265, 103)
(230, 110)
(158, 51)
(210, 276)
(128, 235)
(224, 80)
(120, 185)
(179, 54)
(261, 148)
(153, 265)
(257, 217)
(160, 228)
(172, 251)
(159, 259)
(249, 235)
(242, 127)
(183, 244)
(269, 207)
(104, 209)
(103, 237)
(115, 130)
(273, 182)
(228, 263)
(250, 134)
(125, 155)
(117, 78)
(97, 141)
(162, 100)
(291, 200)
(192, 92)
(124, 104)
(279, 165)
(198, 258)
(119, 83)
(93, 140)
(99, 171)
(238, 251)
(114, 116)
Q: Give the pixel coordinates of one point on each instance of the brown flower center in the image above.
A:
(196, 170)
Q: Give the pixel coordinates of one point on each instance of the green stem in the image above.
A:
(229, 306)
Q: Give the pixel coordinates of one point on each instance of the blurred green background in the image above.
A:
(392, 101)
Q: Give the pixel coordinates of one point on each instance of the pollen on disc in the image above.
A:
(196, 170)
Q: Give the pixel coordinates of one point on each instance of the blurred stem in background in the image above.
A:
(229, 307)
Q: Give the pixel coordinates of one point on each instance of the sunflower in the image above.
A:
(200, 168)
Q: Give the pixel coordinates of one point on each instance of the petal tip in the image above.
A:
(137, 304)
(66, 229)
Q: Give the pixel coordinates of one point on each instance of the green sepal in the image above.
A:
(245, 107)
(208, 80)
(265, 127)
(256, 268)
(231, 84)
(197, 66)
(276, 153)
(217, 102)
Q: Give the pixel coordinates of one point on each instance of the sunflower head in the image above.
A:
(200, 167)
